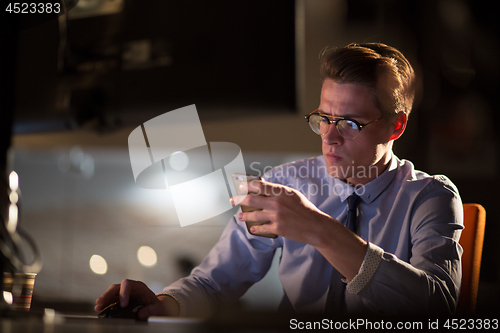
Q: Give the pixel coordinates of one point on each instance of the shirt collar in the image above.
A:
(369, 192)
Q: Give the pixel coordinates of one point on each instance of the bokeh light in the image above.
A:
(98, 264)
(147, 256)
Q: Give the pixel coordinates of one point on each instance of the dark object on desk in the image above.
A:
(116, 311)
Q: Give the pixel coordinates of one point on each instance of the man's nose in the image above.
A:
(333, 136)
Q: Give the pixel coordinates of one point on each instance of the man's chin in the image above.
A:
(336, 171)
(351, 174)
(336, 168)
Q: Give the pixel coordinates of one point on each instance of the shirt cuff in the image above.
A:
(182, 305)
(372, 260)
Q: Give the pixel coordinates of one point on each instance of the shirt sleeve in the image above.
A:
(235, 263)
(369, 266)
(430, 281)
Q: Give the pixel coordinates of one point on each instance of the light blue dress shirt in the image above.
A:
(411, 220)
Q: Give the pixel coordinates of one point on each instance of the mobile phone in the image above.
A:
(238, 179)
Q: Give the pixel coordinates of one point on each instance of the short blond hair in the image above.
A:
(378, 66)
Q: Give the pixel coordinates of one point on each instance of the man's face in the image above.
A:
(364, 158)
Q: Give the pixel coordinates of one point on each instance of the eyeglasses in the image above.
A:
(347, 127)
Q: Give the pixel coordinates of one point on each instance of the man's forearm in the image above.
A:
(341, 247)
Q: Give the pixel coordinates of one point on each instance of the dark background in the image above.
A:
(222, 55)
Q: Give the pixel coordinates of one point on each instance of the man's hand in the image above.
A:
(153, 305)
(289, 212)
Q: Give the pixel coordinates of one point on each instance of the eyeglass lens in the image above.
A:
(347, 128)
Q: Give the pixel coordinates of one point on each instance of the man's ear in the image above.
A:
(399, 126)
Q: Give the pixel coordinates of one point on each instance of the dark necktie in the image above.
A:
(352, 202)
(335, 301)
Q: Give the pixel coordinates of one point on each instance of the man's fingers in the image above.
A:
(145, 313)
(249, 200)
(132, 289)
(259, 191)
(249, 186)
(259, 187)
(112, 292)
(111, 295)
(155, 309)
(266, 189)
(262, 229)
(255, 216)
(138, 290)
(125, 289)
(237, 199)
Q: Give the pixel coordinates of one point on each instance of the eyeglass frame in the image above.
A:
(330, 122)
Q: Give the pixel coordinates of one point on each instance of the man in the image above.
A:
(399, 253)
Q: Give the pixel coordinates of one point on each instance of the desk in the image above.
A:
(229, 322)
(81, 324)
